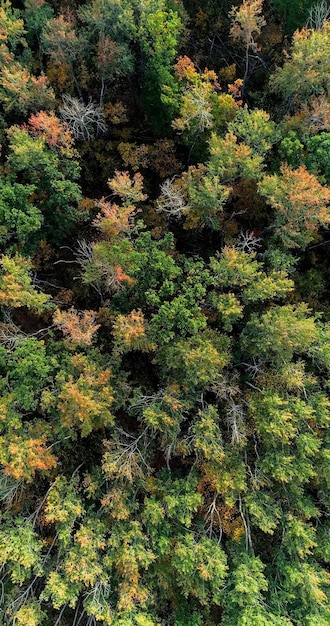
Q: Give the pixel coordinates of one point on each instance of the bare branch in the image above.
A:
(171, 200)
(86, 121)
(318, 15)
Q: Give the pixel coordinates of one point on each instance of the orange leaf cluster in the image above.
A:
(300, 201)
(186, 70)
(22, 90)
(127, 188)
(84, 400)
(113, 219)
(235, 90)
(121, 277)
(23, 457)
(128, 329)
(55, 133)
(78, 327)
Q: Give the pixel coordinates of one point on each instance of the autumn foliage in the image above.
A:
(164, 313)
(78, 328)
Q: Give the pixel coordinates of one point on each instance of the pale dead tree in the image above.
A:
(86, 121)
(248, 242)
(255, 368)
(235, 419)
(168, 441)
(11, 335)
(318, 15)
(84, 257)
(84, 253)
(257, 478)
(246, 522)
(112, 278)
(83, 618)
(197, 116)
(201, 117)
(227, 387)
(97, 599)
(11, 490)
(171, 200)
(170, 448)
(61, 613)
(213, 526)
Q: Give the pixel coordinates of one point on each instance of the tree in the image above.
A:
(20, 91)
(109, 28)
(205, 197)
(86, 121)
(201, 105)
(36, 14)
(52, 171)
(280, 333)
(19, 217)
(230, 159)
(317, 160)
(22, 456)
(319, 14)
(303, 75)
(60, 41)
(164, 425)
(56, 134)
(300, 203)
(129, 332)
(79, 328)
(16, 287)
(247, 22)
(85, 397)
(254, 128)
(160, 29)
(197, 572)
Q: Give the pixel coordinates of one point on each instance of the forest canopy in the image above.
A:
(165, 313)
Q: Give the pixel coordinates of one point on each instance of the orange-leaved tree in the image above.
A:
(300, 204)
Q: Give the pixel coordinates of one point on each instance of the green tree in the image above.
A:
(305, 73)
(52, 174)
(109, 29)
(19, 217)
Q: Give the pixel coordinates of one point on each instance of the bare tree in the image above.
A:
(86, 121)
(248, 242)
(318, 15)
(235, 419)
(171, 200)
